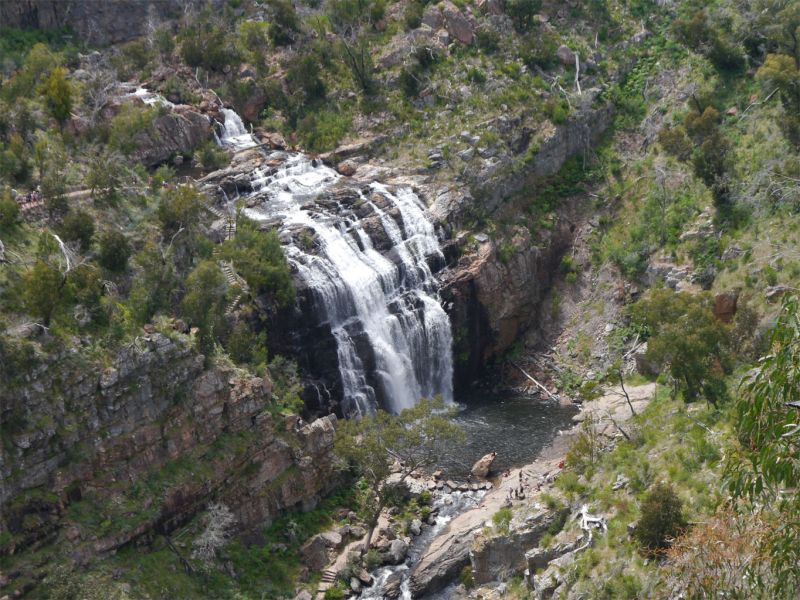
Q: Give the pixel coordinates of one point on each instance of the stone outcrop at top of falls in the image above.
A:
(367, 321)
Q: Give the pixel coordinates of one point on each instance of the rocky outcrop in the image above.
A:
(494, 556)
(582, 130)
(149, 439)
(94, 23)
(458, 26)
(179, 131)
(493, 296)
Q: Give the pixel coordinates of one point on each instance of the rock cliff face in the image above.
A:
(96, 22)
(104, 456)
(494, 297)
(180, 131)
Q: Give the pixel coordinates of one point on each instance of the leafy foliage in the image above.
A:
(767, 465)
(415, 438)
(259, 258)
(114, 251)
(685, 336)
(662, 519)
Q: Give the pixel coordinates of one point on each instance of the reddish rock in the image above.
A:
(725, 306)
(347, 168)
(565, 56)
(457, 25)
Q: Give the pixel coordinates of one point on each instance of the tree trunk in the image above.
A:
(373, 525)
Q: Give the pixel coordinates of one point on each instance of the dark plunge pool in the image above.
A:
(516, 427)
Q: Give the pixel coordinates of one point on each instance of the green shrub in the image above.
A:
(114, 251)
(685, 335)
(57, 93)
(502, 519)
(662, 519)
(179, 207)
(284, 23)
(207, 44)
(126, 127)
(467, 578)
(303, 79)
(414, 13)
(259, 258)
(9, 211)
(78, 226)
(322, 131)
(41, 290)
(487, 39)
(244, 346)
(539, 50)
(476, 75)
(522, 13)
(409, 83)
(211, 157)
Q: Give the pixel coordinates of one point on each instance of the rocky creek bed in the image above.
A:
(535, 436)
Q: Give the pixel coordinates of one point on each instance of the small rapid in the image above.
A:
(449, 504)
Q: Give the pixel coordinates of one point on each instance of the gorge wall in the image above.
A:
(98, 456)
(95, 22)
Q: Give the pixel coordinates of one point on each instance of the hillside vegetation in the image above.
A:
(690, 199)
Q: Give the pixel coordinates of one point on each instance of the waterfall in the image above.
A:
(393, 338)
(234, 133)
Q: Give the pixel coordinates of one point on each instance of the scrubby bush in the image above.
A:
(114, 251)
(662, 519)
(685, 335)
(244, 346)
(179, 207)
(78, 227)
(487, 39)
(502, 519)
(207, 44)
(127, 126)
(9, 211)
(41, 290)
(211, 157)
(467, 578)
(539, 51)
(414, 13)
(674, 141)
(322, 131)
(284, 23)
(304, 80)
(259, 258)
(522, 13)
(57, 93)
(204, 302)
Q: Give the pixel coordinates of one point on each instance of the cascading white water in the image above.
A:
(234, 133)
(360, 293)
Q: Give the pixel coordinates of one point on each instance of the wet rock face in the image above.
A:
(83, 429)
(492, 301)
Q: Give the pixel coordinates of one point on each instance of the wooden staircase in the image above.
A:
(234, 280)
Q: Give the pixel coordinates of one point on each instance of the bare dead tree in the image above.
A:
(218, 530)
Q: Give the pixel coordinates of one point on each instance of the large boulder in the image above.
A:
(180, 131)
(457, 25)
(315, 553)
(725, 306)
(565, 56)
(481, 468)
(398, 550)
